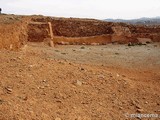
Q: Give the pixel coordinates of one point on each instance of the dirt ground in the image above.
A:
(69, 82)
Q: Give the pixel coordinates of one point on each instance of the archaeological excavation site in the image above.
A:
(16, 31)
(54, 68)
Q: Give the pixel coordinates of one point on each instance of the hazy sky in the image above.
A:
(101, 9)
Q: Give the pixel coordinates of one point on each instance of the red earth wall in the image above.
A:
(13, 34)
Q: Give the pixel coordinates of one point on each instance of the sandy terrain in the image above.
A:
(79, 82)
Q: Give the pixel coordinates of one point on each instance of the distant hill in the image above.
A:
(140, 21)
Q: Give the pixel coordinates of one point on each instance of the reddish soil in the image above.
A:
(79, 30)
(79, 82)
(13, 32)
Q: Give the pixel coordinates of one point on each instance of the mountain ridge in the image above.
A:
(139, 21)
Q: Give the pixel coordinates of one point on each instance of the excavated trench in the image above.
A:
(18, 31)
(70, 31)
(88, 31)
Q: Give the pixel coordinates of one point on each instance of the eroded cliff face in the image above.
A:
(151, 32)
(38, 31)
(69, 27)
(15, 31)
(80, 31)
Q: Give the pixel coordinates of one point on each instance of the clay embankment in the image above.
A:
(89, 31)
(71, 31)
(13, 32)
(151, 32)
(38, 31)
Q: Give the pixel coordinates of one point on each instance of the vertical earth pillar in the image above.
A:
(51, 34)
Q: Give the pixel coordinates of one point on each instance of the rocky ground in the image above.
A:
(79, 82)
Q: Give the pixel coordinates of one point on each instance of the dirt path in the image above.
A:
(79, 83)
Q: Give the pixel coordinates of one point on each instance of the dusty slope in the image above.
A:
(34, 84)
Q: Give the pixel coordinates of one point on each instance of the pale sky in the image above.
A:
(100, 9)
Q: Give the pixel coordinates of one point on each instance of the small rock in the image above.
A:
(101, 104)
(44, 81)
(116, 53)
(57, 118)
(133, 103)
(9, 90)
(82, 68)
(11, 46)
(20, 70)
(140, 110)
(17, 76)
(44, 93)
(63, 53)
(139, 107)
(121, 108)
(79, 83)
(25, 98)
(118, 75)
(19, 57)
(146, 102)
(30, 66)
(60, 62)
(82, 47)
(41, 87)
